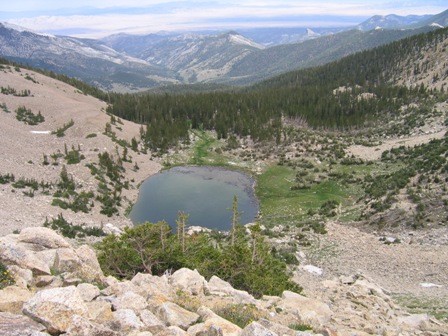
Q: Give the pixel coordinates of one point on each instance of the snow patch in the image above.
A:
(242, 40)
(429, 285)
(23, 29)
(434, 24)
(313, 269)
(41, 132)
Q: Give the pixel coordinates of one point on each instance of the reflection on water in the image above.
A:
(205, 193)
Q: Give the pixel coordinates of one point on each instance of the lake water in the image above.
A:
(205, 193)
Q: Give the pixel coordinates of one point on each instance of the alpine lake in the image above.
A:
(205, 193)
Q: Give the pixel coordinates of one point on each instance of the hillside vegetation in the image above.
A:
(358, 142)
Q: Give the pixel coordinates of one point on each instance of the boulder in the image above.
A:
(217, 322)
(415, 321)
(43, 237)
(311, 311)
(154, 287)
(90, 270)
(70, 279)
(370, 288)
(99, 311)
(19, 325)
(279, 329)
(88, 292)
(172, 331)
(47, 280)
(256, 329)
(66, 260)
(151, 322)
(81, 326)
(12, 299)
(173, 315)
(202, 329)
(12, 253)
(127, 320)
(120, 288)
(55, 307)
(188, 281)
(129, 300)
(47, 256)
(217, 286)
(110, 280)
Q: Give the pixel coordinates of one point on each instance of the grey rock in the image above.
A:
(81, 326)
(127, 320)
(12, 299)
(45, 280)
(66, 260)
(88, 292)
(150, 320)
(100, 311)
(129, 300)
(152, 286)
(14, 254)
(307, 310)
(55, 307)
(213, 321)
(173, 315)
(42, 236)
(217, 286)
(172, 331)
(256, 329)
(19, 325)
(188, 281)
(277, 328)
(90, 270)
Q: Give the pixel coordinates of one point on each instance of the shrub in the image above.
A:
(7, 178)
(70, 230)
(152, 248)
(28, 117)
(60, 132)
(300, 327)
(240, 314)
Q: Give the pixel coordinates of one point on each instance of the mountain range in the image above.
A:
(125, 62)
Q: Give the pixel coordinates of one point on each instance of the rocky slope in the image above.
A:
(61, 290)
(24, 147)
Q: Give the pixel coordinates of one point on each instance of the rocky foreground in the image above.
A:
(60, 289)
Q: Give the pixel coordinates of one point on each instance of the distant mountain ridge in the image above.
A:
(133, 63)
(391, 21)
(88, 60)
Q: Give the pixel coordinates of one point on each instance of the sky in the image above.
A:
(99, 18)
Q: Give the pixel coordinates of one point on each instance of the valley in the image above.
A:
(134, 63)
(350, 160)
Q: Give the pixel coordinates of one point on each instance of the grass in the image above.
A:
(436, 306)
(281, 205)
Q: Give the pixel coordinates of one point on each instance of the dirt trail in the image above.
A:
(374, 152)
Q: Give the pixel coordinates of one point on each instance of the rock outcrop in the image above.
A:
(62, 290)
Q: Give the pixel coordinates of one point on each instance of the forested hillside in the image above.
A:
(352, 93)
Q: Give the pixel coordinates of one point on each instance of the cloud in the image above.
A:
(138, 16)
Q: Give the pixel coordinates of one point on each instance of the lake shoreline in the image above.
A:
(188, 179)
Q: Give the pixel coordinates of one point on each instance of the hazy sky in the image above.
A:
(95, 18)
